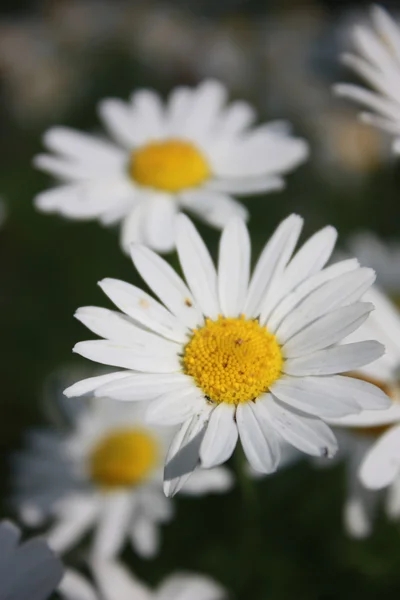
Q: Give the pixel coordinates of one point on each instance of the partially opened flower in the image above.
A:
(363, 436)
(378, 62)
(229, 356)
(28, 571)
(115, 582)
(192, 154)
(104, 476)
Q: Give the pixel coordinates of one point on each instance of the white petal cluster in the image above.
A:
(310, 309)
(377, 61)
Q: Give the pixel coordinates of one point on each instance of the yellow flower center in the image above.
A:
(123, 458)
(170, 166)
(233, 360)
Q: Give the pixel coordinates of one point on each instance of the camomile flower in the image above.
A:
(361, 436)
(192, 154)
(377, 61)
(104, 476)
(28, 571)
(115, 582)
(229, 356)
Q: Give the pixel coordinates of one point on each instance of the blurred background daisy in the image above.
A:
(278, 537)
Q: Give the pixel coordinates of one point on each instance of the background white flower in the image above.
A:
(105, 475)
(364, 435)
(230, 356)
(378, 62)
(191, 154)
(115, 582)
(28, 571)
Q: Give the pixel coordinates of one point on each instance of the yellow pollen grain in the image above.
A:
(123, 458)
(233, 360)
(170, 166)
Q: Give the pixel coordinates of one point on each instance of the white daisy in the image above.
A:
(28, 571)
(115, 582)
(378, 62)
(231, 356)
(361, 434)
(106, 476)
(192, 154)
(382, 256)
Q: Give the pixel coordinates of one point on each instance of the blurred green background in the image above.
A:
(280, 538)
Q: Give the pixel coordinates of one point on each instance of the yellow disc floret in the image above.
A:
(123, 458)
(233, 359)
(171, 166)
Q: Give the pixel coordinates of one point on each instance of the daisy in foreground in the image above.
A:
(371, 440)
(115, 582)
(106, 476)
(378, 62)
(228, 356)
(28, 571)
(192, 154)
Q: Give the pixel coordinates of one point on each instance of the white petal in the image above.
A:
(292, 300)
(149, 110)
(116, 355)
(369, 99)
(341, 291)
(122, 123)
(143, 386)
(315, 396)
(207, 103)
(271, 263)
(159, 222)
(66, 170)
(221, 436)
(205, 481)
(78, 516)
(233, 267)
(245, 186)
(115, 582)
(114, 518)
(338, 359)
(381, 464)
(86, 148)
(236, 117)
(387, 27)
(305, 433)
(356, 518)
(144, 309)
(214, 208)
(179, 104)
(190, 587)
(176, 406)
(258, 437)
(197, 267)
(370, 418)
(87, 386)
(393, 500)
(308, 261)
(118, 328)
(145, 537)
(183, 454)
(75, 587)
(167, 285)
(132, 229)
(327, 330)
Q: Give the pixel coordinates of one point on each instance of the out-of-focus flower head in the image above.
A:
(104, 475)
(194, 154)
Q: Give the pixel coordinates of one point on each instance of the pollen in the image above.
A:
(170, 166)
(123, 458)
(233, 360)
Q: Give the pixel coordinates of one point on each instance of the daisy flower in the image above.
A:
(115, 582)
(228, 356)
(363, 437)
(104, 476)
(28, 571)
(378, 62)
(192, 154)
